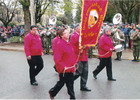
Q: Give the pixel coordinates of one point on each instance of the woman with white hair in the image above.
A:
(105, 53)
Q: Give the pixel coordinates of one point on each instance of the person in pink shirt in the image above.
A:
(54, 42)
(33, 50)
(82, 58)
(65, 65)
(54, 45)
(105, 53)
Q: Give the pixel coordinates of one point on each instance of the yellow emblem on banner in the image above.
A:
(93, 18)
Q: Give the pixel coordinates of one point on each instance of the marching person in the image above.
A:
(45, 42)
(65, 65)
(124, 29)
(136, 44)
(105, 53)
(82, 59)
(54, 45)
(34, 51)
(119, 39)
(133, 29)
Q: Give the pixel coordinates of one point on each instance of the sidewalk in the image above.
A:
(126, 55)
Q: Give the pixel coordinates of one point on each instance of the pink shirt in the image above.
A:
(74, 40)
(75, 44)
(54, 43)
(32, 45)
(105, 44)
(64, 57)
(84, 56)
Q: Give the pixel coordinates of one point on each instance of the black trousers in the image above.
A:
(83, 72)
(104, 62)
(36, 65)
(68, 78)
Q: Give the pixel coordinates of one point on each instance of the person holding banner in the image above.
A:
(82, 58)
(65, 65)
(105, 53)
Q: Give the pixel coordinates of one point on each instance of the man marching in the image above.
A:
(136, 44)
(105, 53)
(119, 38)
(34, 51)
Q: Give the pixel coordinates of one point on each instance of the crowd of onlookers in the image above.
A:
(127, 29)
(7, 33)
(18, 30)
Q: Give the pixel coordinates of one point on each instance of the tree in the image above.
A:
(78, 12)
(62, 19)
(68, 10)
(41, 7)
(7, 12)
(27, 18)
(125, 7)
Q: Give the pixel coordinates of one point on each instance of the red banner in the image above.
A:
(93, 13)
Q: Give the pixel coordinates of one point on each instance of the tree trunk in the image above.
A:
(32, 11)
(27, 19)
(139, 15)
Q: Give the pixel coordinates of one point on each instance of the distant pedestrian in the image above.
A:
(105, 53)
(65, 65)
(136, 44)
(119, 39)
(54, 44)
(34, 51)
(124, 29)
(22, 31)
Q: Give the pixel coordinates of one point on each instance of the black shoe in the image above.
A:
(112, 79)
(34, 83)
(94, 76)
(119, 59)
(134, 60)
(52, 98)
(116, 59)
(85, 89)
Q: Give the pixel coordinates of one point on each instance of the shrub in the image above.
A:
(17, 39)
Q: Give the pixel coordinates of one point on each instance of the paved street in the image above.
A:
(14, 80)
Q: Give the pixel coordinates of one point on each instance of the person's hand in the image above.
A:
(81, 51)
(111, 49)
(121, 40)
(29, 57)
(42, 54)
(84, 47)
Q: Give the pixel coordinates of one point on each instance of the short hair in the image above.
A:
(32, 26)
(60, 32)
(107, 28)
(76, 25)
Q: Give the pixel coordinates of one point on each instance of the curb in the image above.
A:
(11, 49)
(22, 50)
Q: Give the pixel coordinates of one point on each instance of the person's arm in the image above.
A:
(105, 45)
(59, 53)
(27, 47)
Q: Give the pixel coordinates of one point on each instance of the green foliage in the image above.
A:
(68, 7)
(109, 14)
(125, 7)
(12, 23)
(78, 12)
(78, 15)
(25, 3)
(17, 39)
(59, 23)
(62, 19)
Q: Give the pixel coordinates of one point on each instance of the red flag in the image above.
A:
(93, 13)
